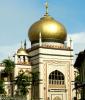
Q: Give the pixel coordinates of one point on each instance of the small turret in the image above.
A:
(21, 57)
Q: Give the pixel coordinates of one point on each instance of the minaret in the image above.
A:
(70, 43)
(40, 39)
(25, 44)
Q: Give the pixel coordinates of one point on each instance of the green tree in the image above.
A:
(9, 66)
(23, 82)
(35, 83)
(2, 90)
(35, 78)
(77, 78)
(9, 72)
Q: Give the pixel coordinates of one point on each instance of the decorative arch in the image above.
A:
(56, 77)
(57, 98)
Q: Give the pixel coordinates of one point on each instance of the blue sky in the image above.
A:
(16, 16)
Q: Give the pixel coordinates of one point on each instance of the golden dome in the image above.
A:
(50, 30)
(22, 51)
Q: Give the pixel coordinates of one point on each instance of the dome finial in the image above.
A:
(46, 6)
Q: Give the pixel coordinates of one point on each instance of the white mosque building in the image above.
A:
(51, 56)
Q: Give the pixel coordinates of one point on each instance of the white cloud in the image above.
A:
(78, 41)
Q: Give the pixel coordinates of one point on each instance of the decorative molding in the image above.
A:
(48, 47)
(51, 55)
(56, 86)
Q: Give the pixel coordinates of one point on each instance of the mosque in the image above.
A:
(50, 55)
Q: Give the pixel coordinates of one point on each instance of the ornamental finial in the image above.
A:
(46, 6)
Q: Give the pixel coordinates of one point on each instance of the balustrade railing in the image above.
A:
(57, 82)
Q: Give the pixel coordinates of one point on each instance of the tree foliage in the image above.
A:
(78, 78)
(9, 66)
(2, 90)
(9, 71)
(35, 78)
(23, 82)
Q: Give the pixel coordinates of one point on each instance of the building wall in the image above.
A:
(46, 61)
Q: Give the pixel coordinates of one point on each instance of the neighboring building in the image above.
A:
(80, 81)
(51, 57)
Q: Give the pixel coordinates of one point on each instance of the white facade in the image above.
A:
(57, 59)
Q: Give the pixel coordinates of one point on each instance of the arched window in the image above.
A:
(56, 77)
